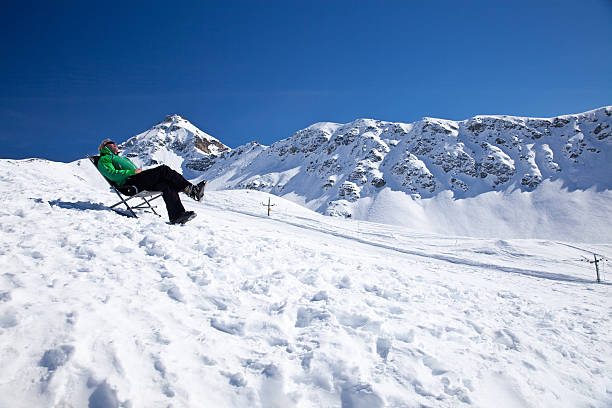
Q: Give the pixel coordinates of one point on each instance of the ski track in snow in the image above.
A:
(240, 309)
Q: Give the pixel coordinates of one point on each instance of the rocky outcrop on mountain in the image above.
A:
(334, 166)
(175, 142)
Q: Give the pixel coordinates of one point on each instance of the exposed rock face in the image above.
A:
(205, 145)
(349, 191)
(336, 165)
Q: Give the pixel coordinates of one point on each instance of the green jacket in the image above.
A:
(115, 168)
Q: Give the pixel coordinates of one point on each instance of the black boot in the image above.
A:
(196, 191)
(184, 217)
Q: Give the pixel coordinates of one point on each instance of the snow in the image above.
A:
(549, 212)
(240, 309)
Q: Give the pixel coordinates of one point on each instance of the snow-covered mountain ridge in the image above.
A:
(521, 177)
(528, 177)
(336, 165)
(175, 142)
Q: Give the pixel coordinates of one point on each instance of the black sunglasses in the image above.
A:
(109, 143)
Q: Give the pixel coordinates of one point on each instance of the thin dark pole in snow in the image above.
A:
(268, 205)
(596, 262)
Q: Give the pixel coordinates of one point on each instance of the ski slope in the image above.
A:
(237, 309)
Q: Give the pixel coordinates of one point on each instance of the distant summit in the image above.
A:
(175, 142)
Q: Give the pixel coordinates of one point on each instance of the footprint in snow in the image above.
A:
(376, 290)
(396, 310)
(320, 296)
(154, 247)
(212, 252)
(258, 286)
(84, 253)
(383, 346)
(405, 336)
(235, 379)
(360, 396)
(459, 392)
(305, 316)
(272, 385)
(122, 249)
(37, 255)
(174, 293)
(275, 341)
(507, 338)
(159, 338)
(505, 294)
(164, 273)
(278, 307)
(420, 389)
(54, 358)
(208, 361)
(344, 283)
(9, 319)
(71, 317)
(199, 277)
(103, 397)
(477, 328)
(352, 320)
(529, 365)
(234, 328)
(159, 366)
(12, 280)
(436, 367)
(306, 360)
(5, 297)
(218, 303)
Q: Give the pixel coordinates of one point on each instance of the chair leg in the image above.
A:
(150, 206)
(126, 204)
(145, 204)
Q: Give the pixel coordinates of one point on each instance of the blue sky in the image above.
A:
(74, 73)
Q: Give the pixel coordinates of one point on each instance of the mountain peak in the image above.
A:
(174, 118)
(175, 142)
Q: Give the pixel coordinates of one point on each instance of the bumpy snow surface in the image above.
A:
(237, 309)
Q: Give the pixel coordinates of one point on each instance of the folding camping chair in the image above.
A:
(130, 192)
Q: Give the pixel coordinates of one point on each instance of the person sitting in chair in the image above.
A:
(121, 170)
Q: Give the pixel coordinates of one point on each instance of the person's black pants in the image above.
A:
(166, 180)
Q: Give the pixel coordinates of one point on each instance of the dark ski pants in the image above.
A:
(166, 180)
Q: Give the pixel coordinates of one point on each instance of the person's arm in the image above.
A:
(136, 168)
(108, 170)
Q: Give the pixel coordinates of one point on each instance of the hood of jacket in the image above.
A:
(106, 151)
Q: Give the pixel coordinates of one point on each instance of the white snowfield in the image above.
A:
(237, 309)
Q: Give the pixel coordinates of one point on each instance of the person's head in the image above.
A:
(112, 146)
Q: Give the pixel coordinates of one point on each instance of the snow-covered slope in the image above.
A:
(521, 170)
(174, 142)
(237, 309)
